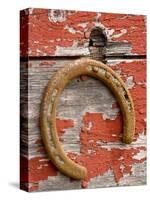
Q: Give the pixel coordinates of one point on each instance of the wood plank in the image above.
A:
(67, 33)
(89, 126)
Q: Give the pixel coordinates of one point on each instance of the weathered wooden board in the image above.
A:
(89, 124)
(59, 32)
(89, 121)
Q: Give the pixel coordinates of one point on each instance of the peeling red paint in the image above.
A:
(49, 36)
(97, 159)
(139, 97)
(95, 132)
(63, 124)
(134, 26)
(101, 130)
(81, 17)
(44, 35)
(137, 69)
(102, 160)
(40, 168)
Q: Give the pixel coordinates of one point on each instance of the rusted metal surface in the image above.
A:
(88, 119)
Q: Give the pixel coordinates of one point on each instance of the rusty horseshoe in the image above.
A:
(102, 72)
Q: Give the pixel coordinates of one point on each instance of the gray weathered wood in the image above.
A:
(78, 98)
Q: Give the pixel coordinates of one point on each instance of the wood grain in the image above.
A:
(89, 121)
(82, 96)
(50, 32)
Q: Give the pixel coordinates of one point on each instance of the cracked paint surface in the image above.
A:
(130, 28)
(100, 136)
(49, 30)
(91, 135)
(138, 91)
(98, 159)
(100, 133)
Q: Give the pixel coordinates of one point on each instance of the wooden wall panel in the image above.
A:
(89, 124)
(51, 32)
(89, 121)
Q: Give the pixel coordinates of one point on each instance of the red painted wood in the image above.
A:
(45, 34)
(103, 130)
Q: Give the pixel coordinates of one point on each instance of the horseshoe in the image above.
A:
(102, 72)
